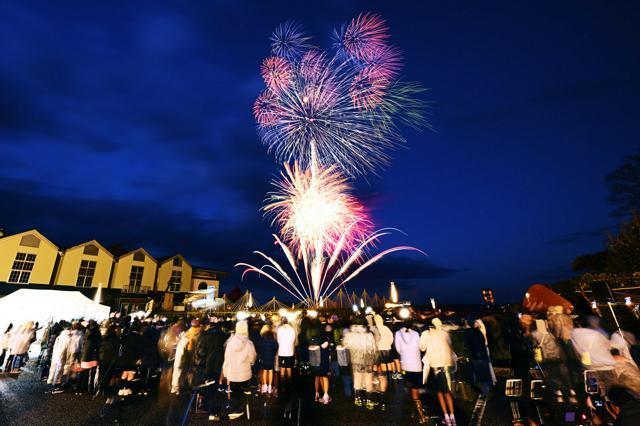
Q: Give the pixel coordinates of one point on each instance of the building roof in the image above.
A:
(38, 233)
(165, 259)
(88, 242)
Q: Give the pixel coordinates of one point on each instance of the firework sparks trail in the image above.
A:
(327, 275)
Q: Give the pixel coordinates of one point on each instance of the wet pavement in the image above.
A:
(26, 401)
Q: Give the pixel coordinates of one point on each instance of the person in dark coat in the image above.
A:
(90, 356)
(131, 357)
(320, 340)
(479, 356)
(151, 355)
(267, 348)
(208, 358)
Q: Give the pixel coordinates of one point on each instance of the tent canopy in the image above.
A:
(45, 305)
(539, 297)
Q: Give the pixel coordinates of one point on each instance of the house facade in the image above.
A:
(129, 279)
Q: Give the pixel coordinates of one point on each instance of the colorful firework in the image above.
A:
(364, 34)
(314, 211)
(336, 104)
(333, 117)
(289, 40)
(277, 73)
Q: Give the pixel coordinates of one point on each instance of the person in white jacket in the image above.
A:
(19, 344)
(439, 356)
(363, 355)
(407, 343)
(239, 356)
(60, 358)
(286, 336)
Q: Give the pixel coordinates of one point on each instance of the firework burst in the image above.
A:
(333, 116)
(314, 211)
(289, 40)
(336, 105)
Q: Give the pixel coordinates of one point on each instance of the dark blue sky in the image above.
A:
(131, 122)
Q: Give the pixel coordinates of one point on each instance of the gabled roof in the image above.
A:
(38, 234)
(127, 253)
(165, 259)
(90, 242)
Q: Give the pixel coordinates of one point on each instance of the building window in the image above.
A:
(30, 240)
(86, 272)
(21, 268)
(177, 261)
(135, 279)
(175, 281)
(138, 256)
(91, 250)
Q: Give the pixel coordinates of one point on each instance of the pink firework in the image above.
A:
(387, 60)
(313, 66)
(368, 88)
(364, 34)
(266, 109)
(316, 212)
(277, 73)
(316, 98)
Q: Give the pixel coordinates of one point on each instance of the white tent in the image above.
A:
(45, 305)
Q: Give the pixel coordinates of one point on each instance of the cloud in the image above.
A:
(574, 237)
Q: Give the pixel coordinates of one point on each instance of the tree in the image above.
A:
(624, 187)
(623, 250)
(596, 262)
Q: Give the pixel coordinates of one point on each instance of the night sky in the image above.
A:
(130, 122)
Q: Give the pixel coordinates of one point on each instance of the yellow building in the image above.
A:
(134, 272)
(204, 278)
(27, 258)
(174, 274)
(85, 265)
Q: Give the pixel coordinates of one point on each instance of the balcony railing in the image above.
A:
(136, 289)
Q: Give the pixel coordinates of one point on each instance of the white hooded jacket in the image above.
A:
(407, 343)
(386, 336)
(239, 356)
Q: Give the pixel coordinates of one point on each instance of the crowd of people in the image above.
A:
(578, 358)
(223, 359)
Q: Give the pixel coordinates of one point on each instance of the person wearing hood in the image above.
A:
(476, 342)
(407, 344)
(384, 343)
(439, 356)
(60, 359)
(363, 354)
(239, 356)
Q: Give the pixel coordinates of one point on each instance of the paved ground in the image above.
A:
(25, 401)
